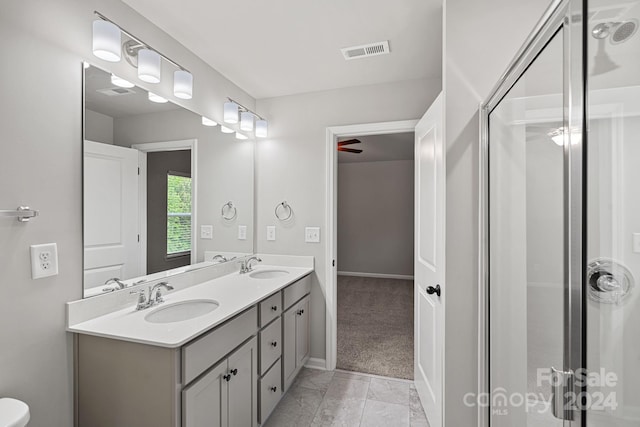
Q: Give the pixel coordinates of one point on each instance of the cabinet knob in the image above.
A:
(227, 377)
(300, 312)
(274, 343)
(234, 372)
(273, 389)
(274, 308)
(431, 290)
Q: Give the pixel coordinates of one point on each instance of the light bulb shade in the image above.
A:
(119, 81)
(262, 128)
(106, 40)
(157, 98)
(183, 84)
(208, 122)
(149, 64)
(230, 112)
(240, 136)
(225, 129)
(246, 121)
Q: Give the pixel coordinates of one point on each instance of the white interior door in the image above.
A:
(429, 262)
(110, 213)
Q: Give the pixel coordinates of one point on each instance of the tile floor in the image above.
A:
(320, 398)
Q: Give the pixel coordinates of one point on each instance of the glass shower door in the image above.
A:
(613, 215)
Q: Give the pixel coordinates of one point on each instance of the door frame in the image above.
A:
(151, 147)
(331, 213)
(560, 15)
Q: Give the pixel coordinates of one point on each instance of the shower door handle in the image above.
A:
(562, 394)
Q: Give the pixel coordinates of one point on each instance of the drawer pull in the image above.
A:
(273, 389)
(234, 372)
(300, 312)
(274, 343)
(274, 308)
(227, 377)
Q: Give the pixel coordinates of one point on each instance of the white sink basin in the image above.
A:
(180, 311)
(268, 274)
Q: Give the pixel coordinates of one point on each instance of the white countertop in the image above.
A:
(234, 292)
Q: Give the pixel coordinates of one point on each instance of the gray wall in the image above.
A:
(98, 127)
(43, 43)
(375, 217)
(291, 166)
(480, 39)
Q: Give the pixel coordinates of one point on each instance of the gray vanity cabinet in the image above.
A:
(296, 329)
(226, 395)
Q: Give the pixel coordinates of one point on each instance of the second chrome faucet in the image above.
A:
(154, 297)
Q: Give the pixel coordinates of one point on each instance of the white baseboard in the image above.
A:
(376, 275)
(316, 363)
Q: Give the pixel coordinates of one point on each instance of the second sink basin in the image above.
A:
(180, 311)
(268, 274)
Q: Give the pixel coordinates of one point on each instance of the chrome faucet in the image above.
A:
(119, 283)
(219, 257)
(146, 302)
(245, 266)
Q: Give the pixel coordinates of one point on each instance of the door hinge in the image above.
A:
(333, 263)
(138, 171)
(562, 394)
(138, 238)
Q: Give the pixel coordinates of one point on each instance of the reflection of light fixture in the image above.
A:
(246, 121)
(230, 112)
(557, 136)
(225, 129)
(149, 66)
(119, 81)
(106, 40)
(261, 128)
(183, 84)
(208, 122)
(241, 136)
(157, 98)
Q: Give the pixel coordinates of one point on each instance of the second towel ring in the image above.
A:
(285, 213)
(229, 212)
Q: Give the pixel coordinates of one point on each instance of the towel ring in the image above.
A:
(229, 212)
(286, 211)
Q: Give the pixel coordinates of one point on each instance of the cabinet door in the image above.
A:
(289, 344)
(243, 399)
(204, 402)
(302, 331)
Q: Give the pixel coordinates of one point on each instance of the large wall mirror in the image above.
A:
(163, 193)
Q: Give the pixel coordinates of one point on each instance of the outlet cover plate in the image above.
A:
(44, 260)
(312, 234)
(206, 232)
(271, 232)
(242, 232)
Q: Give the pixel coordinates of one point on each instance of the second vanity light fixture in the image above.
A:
(107, 45)
(234, 111)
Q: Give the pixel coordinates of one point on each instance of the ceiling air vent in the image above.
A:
(116, 91)
(371, 49)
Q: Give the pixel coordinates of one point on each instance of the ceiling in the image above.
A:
(130, 104)
(379, 148)
(282, 47)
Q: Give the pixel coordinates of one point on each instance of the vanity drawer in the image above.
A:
(296, 291)
(270, 308)
(201, 354)
(270, 345)
(270, 391)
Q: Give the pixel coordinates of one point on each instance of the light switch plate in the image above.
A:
(636, 243)
(271, 232)
(242, 232)
(44, 260)
(312, 234)
(206, 232)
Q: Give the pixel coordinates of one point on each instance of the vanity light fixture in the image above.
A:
(208, 122)
(249, 120)
(262, 128)
(157, 98)
(241, 136)
(107, 45)
(230, 112)
(246, 121)
(225, 129)
(106, 40)
(119, 81)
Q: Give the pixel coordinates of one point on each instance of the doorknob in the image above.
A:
(431, 290)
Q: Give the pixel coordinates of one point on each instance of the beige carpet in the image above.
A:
(375, 326)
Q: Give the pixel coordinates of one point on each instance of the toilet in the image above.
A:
(13, 413)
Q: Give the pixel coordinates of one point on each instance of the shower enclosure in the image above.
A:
(560, 309)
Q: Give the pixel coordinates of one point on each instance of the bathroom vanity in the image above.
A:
(227, 367)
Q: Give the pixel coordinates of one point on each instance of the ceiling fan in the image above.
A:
(341, 146)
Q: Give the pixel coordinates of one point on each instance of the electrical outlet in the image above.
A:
(271, 232)
(206, 232)
(44, 260)
(312, 234)
(242, 232)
